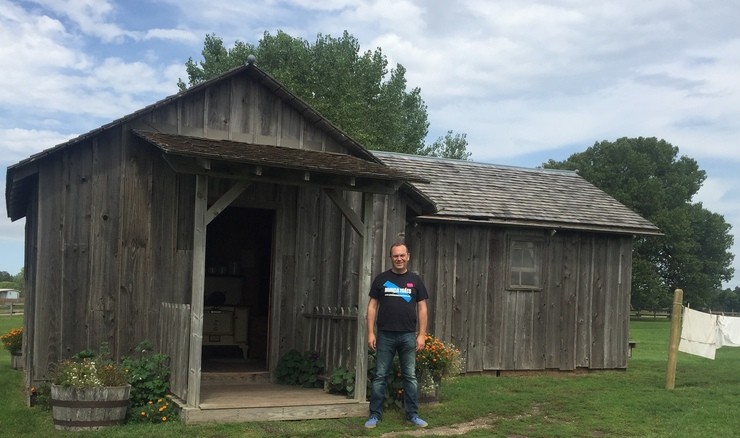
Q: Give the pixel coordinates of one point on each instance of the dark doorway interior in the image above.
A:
(237, 290)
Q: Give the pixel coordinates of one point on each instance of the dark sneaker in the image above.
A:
(372, 422)
(418, 422)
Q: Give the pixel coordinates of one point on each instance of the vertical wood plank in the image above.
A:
(196, 300)
(77, 168)
(569, 306)
(362, 297)
(31, 281)
(495, 302)
(584, 302)
(47, 330)
(105, 242)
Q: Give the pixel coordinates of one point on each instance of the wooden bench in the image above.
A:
(632, 344)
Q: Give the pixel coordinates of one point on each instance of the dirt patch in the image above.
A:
(486, 422)
(481, 423)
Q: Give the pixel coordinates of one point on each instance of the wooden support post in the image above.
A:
(366, 264)
(670, 376)
(196, 297)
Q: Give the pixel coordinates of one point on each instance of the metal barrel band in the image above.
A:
(90, 403)
(88, 423)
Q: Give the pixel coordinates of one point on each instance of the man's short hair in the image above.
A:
(397, 244)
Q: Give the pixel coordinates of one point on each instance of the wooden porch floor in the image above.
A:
(235, 403)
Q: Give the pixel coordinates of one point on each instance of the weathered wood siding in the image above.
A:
(110, 236)
(314, 302)
(104, 249)
(578, 320)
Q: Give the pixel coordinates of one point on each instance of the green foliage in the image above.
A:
(646, 175)
(304, 369)
(41, 396)
(342, 381)
(17, 281)
(727, 300)
(449, 146)
(148, 374)
(158, 411)
(353, 89)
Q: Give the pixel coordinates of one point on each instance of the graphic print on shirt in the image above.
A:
(391, 290)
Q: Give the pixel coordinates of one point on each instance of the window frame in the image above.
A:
(537, 244)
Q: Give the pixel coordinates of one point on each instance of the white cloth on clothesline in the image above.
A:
(698, 333)
(728, 331)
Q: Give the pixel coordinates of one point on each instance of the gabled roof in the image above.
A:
(466, 191)
(19, 176)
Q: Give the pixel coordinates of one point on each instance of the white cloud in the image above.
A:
(538, 79)
(91, 17)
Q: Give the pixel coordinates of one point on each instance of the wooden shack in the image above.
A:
(530, 269)
(232, 223)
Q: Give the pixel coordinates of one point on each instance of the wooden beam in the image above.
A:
(675, 339)
(225, 200)
(366, 268)
(277, 175)
(196, 296)
(353, 218)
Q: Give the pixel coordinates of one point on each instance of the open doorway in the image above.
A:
(237, 290)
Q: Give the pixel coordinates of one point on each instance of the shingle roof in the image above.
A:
(476, 192)
(275, 156)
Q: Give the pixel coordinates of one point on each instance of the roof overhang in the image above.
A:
(275, 164)
(551, 225)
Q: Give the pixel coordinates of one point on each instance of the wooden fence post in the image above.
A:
(670, 377)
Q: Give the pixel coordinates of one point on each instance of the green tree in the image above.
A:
(646, 175)
(354, 90)
(449, 146)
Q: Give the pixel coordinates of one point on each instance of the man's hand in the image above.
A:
(371, 342)
(420, 341)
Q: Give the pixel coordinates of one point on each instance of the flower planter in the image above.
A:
(429, 394)
(89, 408)
(16, 361)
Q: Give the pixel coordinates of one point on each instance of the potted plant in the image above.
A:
(435, 361)
(89, 392)
(13, 342)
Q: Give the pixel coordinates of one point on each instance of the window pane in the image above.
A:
(524, 263)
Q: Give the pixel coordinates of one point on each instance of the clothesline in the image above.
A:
(703, 333)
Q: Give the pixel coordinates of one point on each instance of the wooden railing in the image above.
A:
(333, 333)
(174, 329)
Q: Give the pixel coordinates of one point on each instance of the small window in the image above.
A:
(525, 264)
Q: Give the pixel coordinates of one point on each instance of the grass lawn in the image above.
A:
(706, 402)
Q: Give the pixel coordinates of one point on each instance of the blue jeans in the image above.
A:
(387, 344)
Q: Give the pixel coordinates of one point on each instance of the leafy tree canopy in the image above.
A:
(646, 175)
(354, 90)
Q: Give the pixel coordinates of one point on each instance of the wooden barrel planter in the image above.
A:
(89, 408)
(16, 361)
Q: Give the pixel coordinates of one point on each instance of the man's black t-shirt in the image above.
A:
(397, 295)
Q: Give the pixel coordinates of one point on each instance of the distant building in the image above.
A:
(9, 294)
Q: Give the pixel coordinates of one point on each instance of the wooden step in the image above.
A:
(235, 378)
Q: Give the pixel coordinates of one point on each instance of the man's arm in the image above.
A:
(421, 310)
(372, 311)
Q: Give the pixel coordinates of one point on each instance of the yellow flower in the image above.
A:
(164, 418)
(143, 414)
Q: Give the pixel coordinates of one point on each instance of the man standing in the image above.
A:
(397, 303)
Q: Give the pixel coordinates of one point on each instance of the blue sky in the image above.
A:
(527, 81)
